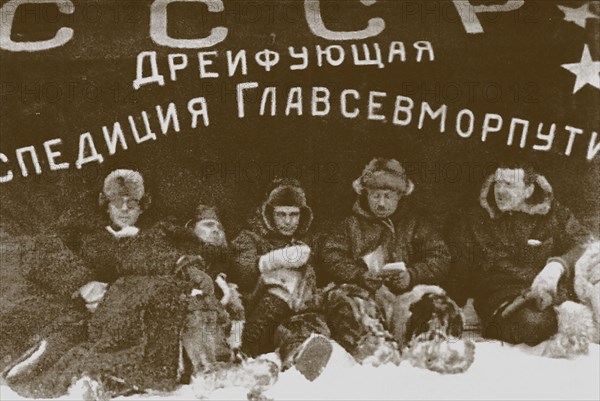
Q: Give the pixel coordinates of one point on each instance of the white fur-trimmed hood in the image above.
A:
(539, 203)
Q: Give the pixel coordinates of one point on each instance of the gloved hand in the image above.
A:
(396, 280)
(303, 251)
(371, 280)
(127, 232)
(290, 257)
(92, 293)
(544, 286)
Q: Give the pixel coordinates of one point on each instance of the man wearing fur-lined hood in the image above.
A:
(515, 255)
(382, 250)
(274, 271)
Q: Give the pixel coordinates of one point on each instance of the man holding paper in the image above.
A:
(273, 268)
(384, 247)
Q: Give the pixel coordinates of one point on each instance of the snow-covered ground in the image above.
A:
(499, 372)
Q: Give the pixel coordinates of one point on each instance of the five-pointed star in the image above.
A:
(578, 15)
(587, 71)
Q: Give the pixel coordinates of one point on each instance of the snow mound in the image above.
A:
(499, 372)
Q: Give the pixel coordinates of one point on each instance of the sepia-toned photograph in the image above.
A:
(299, 200)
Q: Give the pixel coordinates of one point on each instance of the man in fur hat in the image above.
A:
(202, 237)
(70, 270)
(515, 254)
(122, 268)
(273, 270)
(203, 245)
(381, 251)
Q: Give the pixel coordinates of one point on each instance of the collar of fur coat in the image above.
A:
(539, 203)
(360, 211)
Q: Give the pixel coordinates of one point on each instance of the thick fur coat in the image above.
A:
(498, 255)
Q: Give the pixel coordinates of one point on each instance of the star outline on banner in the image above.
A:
(578, 15)
(586, 70)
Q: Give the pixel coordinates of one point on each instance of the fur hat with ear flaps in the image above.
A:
(123, 182)
(286, 192)
(203, 212)
(383, 173)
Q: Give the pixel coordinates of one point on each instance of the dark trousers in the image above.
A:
(346, 317)
(271, 324)
(527, 325)
(290, 335)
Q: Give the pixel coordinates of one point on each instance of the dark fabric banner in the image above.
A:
(212, 99)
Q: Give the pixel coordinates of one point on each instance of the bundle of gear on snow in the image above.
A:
(587, 285)
(430, 329)
(426, 330)
(579, 323)
(256, 375)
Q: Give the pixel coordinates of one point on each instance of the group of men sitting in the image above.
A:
(143, 305)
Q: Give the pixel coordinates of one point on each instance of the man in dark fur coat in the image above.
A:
(123, 273)
(383, 250)
(203, 245)
(515, 255)
(273, 270)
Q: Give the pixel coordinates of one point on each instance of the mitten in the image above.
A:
(544, 286)
(445, 355)
(289, 257)
(92, 293)
(127, 232)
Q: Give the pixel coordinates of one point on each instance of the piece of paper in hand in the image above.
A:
(398, 266)
(375, 260)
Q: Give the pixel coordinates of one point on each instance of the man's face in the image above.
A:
(383, 202)
(124, 211)
(286, 219)
(210, 231)
(510, 189)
